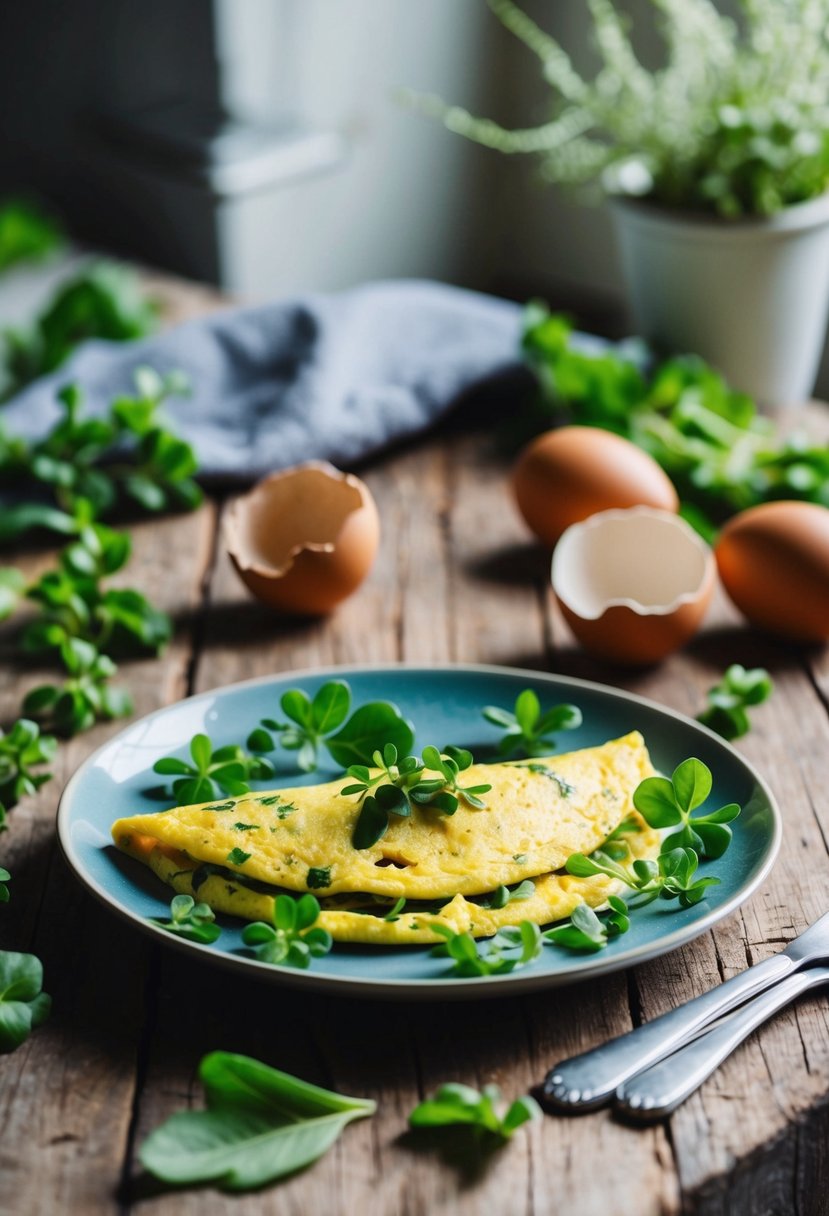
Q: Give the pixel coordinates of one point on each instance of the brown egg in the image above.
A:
(305, 538)
(774, 563)
(633, 585)
(565, 475)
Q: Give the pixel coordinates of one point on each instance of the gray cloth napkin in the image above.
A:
(332, 377)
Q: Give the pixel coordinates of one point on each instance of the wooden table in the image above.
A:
(455, 581)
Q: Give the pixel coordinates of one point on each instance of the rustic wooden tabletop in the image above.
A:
(455, 580)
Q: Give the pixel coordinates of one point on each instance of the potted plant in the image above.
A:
(716, 165)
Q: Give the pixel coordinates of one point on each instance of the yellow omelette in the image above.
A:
(236, 854)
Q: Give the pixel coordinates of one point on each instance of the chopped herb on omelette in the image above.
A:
(537, 814)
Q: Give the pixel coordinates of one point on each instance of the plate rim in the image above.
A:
(438, 988)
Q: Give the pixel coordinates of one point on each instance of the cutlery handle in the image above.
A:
(661, 1089)
(591, 1079)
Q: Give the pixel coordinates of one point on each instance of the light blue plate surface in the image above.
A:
(445, 705)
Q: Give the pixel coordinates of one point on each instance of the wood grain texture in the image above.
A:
(455, 580)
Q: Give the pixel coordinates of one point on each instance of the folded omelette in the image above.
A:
(237, 854)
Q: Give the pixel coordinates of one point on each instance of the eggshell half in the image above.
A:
(633, 585)
(566, 475)
(305, 538)
(774, 564)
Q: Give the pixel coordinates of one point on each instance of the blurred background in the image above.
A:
(262, 146)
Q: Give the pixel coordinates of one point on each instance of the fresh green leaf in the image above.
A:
(528, 728)
(293, 938)
(460, 1104)
(23, 1004)
(191, 920)
(260, 1125)
(730, 698)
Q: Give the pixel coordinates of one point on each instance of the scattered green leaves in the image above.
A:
(720, 453)
(729, 700)
(587, 930)
(27, 232)
(528, 729)
(92, 466)
(85, 697)
(666, 804)
(314, 721)
(671, 876)
(399, 785)
(455, 1103)
(225, 770)
(292, 939)
(22, 750)
(23, 1004)
(260, 1125)
(105, 300)
(511, 947)
(190, 920)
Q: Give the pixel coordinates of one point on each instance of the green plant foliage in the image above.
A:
(27, 233)
(83, 699)
(460, 1104)
(529, 730)
(730, 699)
(105, 300)
(190, 920)
(292, 939)
(722, 456)
(23, 1004)
(211, 772)
(313, 722)
(734, 120)
(260, 1125)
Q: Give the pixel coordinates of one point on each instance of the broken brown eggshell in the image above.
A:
(303, 539)
(633, 585)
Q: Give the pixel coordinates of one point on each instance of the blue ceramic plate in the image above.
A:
(444, 704)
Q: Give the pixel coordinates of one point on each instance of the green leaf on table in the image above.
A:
(23, 1004)
(260, 1125)
(23, 750)
(460, 1104)
(730, 699)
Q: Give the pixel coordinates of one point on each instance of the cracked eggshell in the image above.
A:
(566, 475)
(633, 585)
(304, 538)
(774, 564)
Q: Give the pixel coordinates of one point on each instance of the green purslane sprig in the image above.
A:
(190, 920)
(213, 772)
(292, 939)
(22, 750)
(511, 947)
(323, 721)
(74, 604)
(460, 1104)
(666, 804)
(104, 300)
(260, 1125)
(730, 699)
(589, 931)
(400, 784)
(23, 1003)
(527, 728)
(93, 465)
(671, 876)
(83, 699)
(720, 453)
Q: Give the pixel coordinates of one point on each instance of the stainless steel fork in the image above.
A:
(657, 1091)
(591, 1079)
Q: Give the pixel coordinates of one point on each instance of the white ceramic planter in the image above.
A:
(750, 296)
